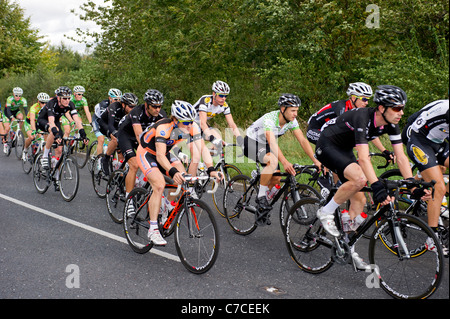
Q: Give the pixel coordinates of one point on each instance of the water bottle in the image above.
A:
(358, 221)
(105, 147)
(172, 206)
(54, 160)
(346, 221)
(164, 206)
(140, 180)
(273, 192)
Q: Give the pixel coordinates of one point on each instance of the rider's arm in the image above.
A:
(232, 125)
(137, 128)
(203, 123)
(88, 113)
(402, 161)
(365, 163)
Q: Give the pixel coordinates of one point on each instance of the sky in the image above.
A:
(53, 19)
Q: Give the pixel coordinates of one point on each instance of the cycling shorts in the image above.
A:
(424, 153)
(96, 126)
(335, 158)
(127, 144)
(148, 163)
(256, 151)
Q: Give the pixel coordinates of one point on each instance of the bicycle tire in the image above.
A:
(399, 277)
(308, 244)
(69, 179)
(27, 165)
(91, 154)
(136, 226)
(229, 171)
(115, 195)
(20, 141)
(287, 203)
(80, 157)
(239, 205)
(40, 175)
(197, 237)
(99, 179)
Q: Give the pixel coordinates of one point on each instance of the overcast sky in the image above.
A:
(53, 19)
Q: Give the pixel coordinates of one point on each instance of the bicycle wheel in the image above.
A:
(302, 191)
(239, 204)
(27, 164)
(91, 155)
(115, 195)
(40, 175)
(136, 221)
(308, 244)
(197, 237)
(406, 277)
(229, 171)
(20, 141)
(68, 179)
(99, 179)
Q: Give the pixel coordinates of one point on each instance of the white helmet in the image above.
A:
(183, 111)
(359, 89)
(220, 87)
(115, 93)
(79, 88)
(18, 91)
(43, 97)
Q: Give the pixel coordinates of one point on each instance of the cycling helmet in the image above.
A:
(18, 91)
(63, 91)
(389, 96)
(43, 97)
(115, 93)
(130, 99)
(79, 88)
(289, 100)
(154, 97)
(359, 89)
(220, 87)
(183, 111)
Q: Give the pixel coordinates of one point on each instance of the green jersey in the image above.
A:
(81, 103)
(15, 105)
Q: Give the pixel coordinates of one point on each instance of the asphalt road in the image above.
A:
(53, 249)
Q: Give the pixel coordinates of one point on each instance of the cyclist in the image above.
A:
(133, 125)
(49, 120)
(12, 108)
(356, 128)
(114, 95)
(208, 106)
(81, 102)
(30, 122)
(109, 124)
(155, 159)
(424, 137)
(261, 145)
(2, 131)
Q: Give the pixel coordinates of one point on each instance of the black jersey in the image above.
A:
(138, 116)
(329, 112)
(112, 116)
(53, 109)
(355, 127)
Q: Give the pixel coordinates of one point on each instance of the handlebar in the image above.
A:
(193, 179)
(387, 158)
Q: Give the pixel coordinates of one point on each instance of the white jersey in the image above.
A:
(269, 122)
(205, 104)
(432, 122)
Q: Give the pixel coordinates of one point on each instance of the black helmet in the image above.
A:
(63, 91)
(153, 97)
(289, 100)
(389, 96)
(129, 99)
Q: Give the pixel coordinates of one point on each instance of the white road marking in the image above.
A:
(84, 226)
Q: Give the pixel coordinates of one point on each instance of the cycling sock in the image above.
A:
(330, 207)
(263, 190)
(46, 151)
(153, 225)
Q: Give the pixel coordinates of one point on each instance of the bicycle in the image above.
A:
(79, 147)
(241, 192)
(228, 171)
(37, 145)
(99, 178)
(400, 248)
(64, 175)
(14, 138)
(192, 221)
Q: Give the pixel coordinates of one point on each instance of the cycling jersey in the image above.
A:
(205, 104)
(109, 121)
(432, 121)
(15, 105)
(357, 126)
(139, 116)
(79, 104)
(101, 107)
(269, 122)
(326, 113)
(167, 132)
(35, 109)
(53, 109)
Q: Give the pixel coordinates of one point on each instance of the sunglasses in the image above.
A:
(79, 94)
(397, 108)
(364, 99)
(155, 106)
(186, 122)
(17, 95)
(65, 98)
(222, 95)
